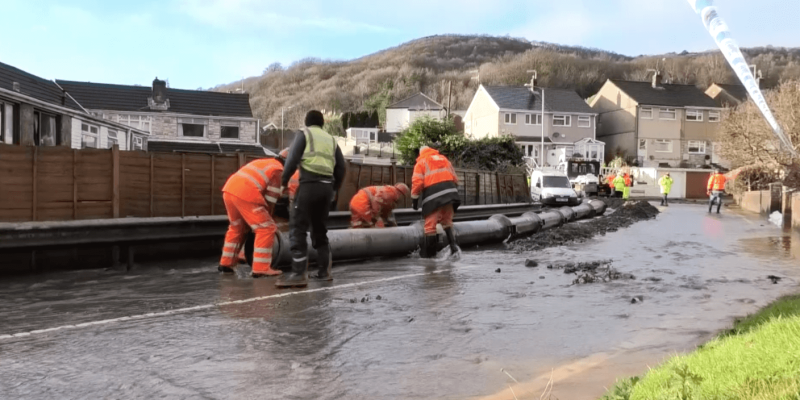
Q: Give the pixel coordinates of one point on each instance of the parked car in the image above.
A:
(551, 187)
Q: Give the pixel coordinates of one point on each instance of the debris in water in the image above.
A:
(774, 279)
(378, 297)
(776, 218)
(625, 215)
(541, 277)
(637, 299)
(595, 272)
(497, 270)
(531, 263)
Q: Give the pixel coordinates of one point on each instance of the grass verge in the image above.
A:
(758, 359)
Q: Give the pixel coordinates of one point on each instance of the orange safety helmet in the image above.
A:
(403, 188)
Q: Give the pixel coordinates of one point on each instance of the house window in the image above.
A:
(562, 120)
(662, 145)
(694, 115)
(3, 138)
(511, 119)
(643, 144)
(44, 129)
(646, 113)
(667, 113)
(584, 122)
(89, 136)
(713, 116)
(229, 129)
(138, 143)
(112, 138)
(192, 127)
(697, 147)
(140, 122)
(533, 119)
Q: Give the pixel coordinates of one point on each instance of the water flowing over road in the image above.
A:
(395, 328)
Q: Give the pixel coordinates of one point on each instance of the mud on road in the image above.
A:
(620, 214)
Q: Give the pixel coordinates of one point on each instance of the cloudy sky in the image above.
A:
(202, 43)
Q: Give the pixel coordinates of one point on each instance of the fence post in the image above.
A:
(183, 185)
(74, 184)
(152, 183)
(213, 167)
(34, 186)
(115, 181)
(242, 160)
(499, 192)
(477, 188)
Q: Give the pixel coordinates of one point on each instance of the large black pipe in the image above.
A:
(352, 244)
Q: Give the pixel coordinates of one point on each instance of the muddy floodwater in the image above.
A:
(400, 328)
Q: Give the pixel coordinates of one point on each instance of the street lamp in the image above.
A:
(282, 129)
(532, 85)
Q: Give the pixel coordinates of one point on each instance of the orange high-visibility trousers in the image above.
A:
(363, 212)
(442, 215)
(242, 214)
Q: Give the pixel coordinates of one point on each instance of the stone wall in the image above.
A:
(796, 213)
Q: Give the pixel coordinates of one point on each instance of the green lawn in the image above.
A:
(758, 359)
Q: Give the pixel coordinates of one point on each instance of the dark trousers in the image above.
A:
(715, 196)
(617, 194)
(664, 200)
(309, 211)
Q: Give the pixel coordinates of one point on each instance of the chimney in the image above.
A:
(159, 100)
(657, 80)
(15, 86)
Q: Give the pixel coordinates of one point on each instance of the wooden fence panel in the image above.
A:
(16, 181)
(54, 184)
(198, 185)
(224, 167)
(135, 184)
(167, 185)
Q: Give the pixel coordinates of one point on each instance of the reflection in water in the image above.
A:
(785, 245)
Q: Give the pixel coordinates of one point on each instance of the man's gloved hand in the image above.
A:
(283, 190)
(415, 204)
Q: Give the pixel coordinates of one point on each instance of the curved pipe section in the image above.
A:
(353, 244)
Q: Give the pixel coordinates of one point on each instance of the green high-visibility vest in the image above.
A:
(319, 156)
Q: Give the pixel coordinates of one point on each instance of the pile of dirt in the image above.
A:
(625, 214)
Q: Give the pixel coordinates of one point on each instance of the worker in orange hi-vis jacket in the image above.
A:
(250, 196)
(372, 206)
(435, 188)
(716, 188)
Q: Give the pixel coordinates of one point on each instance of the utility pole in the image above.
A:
(532, 85)
(449, 96)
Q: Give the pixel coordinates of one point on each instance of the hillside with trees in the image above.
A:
(431, 64)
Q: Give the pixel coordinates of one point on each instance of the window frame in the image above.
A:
(643, 144)
(695, 113)
(586, 119)
(192, 121)
(238, 132)
(3, 122)
(661, 112)
(510, 118)
(112, 135)
(643, 110)
(88, 132)
(714, 116)
(704, 147)
(663, 141)
(566, 118)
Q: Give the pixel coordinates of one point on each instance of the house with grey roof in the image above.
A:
(37, 112)
(402, 113)
(658, 124)
(177, 120)
(517, 111)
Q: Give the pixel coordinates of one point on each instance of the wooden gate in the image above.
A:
(697, 184)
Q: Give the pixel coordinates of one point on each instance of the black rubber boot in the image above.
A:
(427, 248)
(451, 238)
(297, 278)
(224, 269)
(325, 262)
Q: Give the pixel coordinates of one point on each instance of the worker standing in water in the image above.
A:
(435, 189)
(322, 168)
(716, 188)
(372, 206)
(250, 196)
(666, 186)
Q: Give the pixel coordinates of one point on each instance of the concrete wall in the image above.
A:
(396, 119)
(623, 142)
(796, 212)
(483, 118)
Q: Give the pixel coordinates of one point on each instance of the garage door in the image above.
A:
(696, 184)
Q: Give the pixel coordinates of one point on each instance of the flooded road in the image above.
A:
(404, 328)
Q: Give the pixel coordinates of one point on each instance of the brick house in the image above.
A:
(176, 119)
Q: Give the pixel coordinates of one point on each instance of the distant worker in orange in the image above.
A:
(372, 206)
(435, 188)
(250, 196)
(716, 188)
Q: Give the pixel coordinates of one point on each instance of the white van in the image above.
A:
(553, 188)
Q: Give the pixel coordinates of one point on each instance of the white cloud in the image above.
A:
(238, 14)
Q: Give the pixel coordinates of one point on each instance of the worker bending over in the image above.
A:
(250, 196)
(372, 206)
(716, 188)
(435, 188)
(321, 164)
